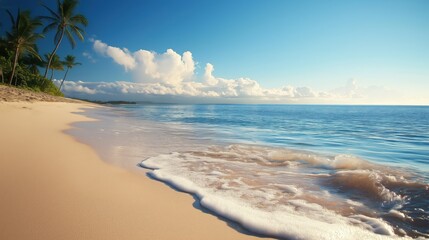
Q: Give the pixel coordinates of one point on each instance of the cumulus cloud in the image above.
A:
(169, 67)
(208, 75)
(120, 56)
(170, 77)
(227, 91)
(76, 87)
(170, 73)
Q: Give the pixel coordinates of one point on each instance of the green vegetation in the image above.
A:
(65, 22)
(22, 38)
(70, 63)
(19, 56)
(56, 63)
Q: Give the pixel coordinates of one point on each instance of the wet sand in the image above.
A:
(54, 187)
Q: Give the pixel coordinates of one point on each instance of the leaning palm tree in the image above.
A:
(56, 64)
(66, 22)
(22, 37)
(69, 63)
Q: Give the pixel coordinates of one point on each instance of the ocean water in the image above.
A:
(284, 171)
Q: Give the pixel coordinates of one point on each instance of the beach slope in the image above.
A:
(53, 187)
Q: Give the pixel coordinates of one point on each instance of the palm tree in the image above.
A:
(70, 63)
(32, 63)
(22, 37)
(56, 63)
(66, 22)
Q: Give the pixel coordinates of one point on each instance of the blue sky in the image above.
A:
(320, 45)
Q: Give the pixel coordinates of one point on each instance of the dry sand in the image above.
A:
(53, 187)
(13, 94)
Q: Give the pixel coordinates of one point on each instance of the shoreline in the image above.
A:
(55, 187)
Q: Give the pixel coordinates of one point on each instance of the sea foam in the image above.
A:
(289, 194)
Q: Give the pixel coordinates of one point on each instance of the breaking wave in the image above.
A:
(294, 194)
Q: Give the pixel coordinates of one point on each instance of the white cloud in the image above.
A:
(120, 56)
(170, 73)
(76, 87)
(241, 88)
(169, 67)
(208, 75)
(170, 76)
(225, 91)
(89, 57)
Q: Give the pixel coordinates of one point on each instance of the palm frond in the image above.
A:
(9, 35)
(78, 32)
(52, 19)
(58, 35)
(33, 52)
(50, 27)
(69, 61)
(35, 37)
(12, 19)
(79, 19)
(66, 22)
(53, 13)
(70, 38)
(59, 6)
(69, 7)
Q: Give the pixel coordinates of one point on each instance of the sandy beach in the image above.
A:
(53, 187)
(214, 120)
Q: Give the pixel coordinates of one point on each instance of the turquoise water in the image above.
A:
(287, 171)
(388, 134)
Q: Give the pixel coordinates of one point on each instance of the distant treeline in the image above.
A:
(108, 102)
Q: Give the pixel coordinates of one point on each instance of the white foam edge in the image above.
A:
(260, 222)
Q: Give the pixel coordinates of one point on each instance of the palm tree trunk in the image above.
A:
(15, 62)
(53, 52)
(52, 74)
(64, 78)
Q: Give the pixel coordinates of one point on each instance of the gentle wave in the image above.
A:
(294, 194)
